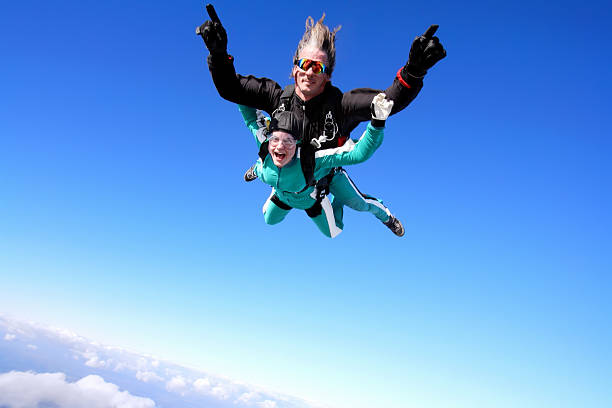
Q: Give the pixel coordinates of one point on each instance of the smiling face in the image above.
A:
(281, 147)
(307, 83)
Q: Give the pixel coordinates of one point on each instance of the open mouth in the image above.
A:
(279, 156)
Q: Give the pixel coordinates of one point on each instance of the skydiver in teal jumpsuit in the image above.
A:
(280, 167)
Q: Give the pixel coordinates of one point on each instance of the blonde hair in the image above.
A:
(318, 35)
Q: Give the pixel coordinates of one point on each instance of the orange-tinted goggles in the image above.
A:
(317, 66)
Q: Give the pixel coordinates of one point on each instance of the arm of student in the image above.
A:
(351, 152)
(255, 121)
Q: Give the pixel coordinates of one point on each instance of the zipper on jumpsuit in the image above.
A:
(278, 179)
(304, 122)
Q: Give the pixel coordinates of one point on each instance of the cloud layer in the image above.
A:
(39, 359)
(27, 390)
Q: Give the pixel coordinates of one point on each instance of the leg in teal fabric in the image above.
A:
(338, 207)
(321, 223)
(346, 193)
(325, 220)
(273, 214)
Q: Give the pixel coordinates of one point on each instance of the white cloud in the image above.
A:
(202, 385)
(267, 404)
(148, 376)
(220, 392)
(27, 389)
(142, 363)
(161, 377)
(94, 360)
(176, 384)
(248, 397)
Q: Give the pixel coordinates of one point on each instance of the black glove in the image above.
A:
(425, 51)
(214, 36)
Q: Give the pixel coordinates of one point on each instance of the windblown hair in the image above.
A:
(318, 35)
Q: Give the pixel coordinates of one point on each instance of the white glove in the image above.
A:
(381, 107)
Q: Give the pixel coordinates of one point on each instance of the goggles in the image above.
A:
(286, 141)
(317, 66)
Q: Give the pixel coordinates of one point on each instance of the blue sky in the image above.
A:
(125, 217)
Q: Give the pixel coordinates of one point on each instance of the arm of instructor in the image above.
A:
(261, 93)
(425, 51)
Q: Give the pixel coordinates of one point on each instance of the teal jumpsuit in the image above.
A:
(288, 183)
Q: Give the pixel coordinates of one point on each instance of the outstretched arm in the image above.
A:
(255, 121)
(425, 51)
(356, 102)
(353, 153)
(261, 93)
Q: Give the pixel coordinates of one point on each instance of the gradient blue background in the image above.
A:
(124, 216)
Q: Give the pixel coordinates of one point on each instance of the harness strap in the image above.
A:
(279, 203)
(287, 92)
(285, 99)
(321, 191)
(322, 186)
(315, 210)
(263, 150)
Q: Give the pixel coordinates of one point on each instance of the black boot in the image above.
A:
(250, 174)
(395, 225)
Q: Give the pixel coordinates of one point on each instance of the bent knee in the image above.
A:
(271, 220)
